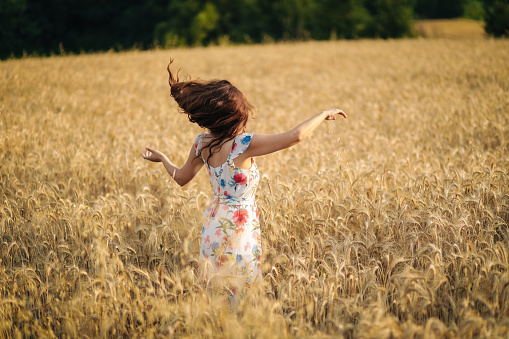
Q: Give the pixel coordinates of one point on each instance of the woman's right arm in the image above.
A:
(181, 175)
(262, 144)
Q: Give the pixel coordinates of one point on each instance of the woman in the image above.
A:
(231, 241)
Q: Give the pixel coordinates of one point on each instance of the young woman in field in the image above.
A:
(231, 242)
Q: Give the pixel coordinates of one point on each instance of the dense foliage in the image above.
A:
(497, 17)
(50, 26)
(47, 26)
(434, 9)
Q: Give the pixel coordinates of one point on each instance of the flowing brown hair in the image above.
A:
(216, 105)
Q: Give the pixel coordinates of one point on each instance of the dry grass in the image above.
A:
(451, 29)
(393, 223)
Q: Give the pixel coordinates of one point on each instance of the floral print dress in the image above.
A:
(231, 243)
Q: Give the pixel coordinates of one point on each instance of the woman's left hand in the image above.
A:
(331, 113)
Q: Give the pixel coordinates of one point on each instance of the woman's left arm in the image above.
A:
(262, 144)
(181, 175)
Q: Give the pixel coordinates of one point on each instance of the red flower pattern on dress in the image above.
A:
(240, 178)
(240, 217)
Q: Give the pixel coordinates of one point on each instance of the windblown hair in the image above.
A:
(216, 105)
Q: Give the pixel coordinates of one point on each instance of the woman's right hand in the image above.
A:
(152, 155)
(331, 113)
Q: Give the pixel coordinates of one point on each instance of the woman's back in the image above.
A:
(231, 238)
(219, 157)
(227, 179)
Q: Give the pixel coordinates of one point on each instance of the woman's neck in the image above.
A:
(214, 136)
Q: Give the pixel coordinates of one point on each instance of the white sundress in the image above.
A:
(231, 240)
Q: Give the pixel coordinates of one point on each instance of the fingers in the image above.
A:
(148, 153)
(333, 111)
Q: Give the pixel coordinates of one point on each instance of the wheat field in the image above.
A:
(451, 29)
(390, 224)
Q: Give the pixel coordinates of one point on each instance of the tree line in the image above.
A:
(49, 26)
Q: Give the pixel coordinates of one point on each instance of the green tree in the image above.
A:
(391, 18)
(204, 22)
(497, 17)
(13, 25)
(31, 26)
(344, 19)
(175, 30)
(293, 18)
(473, 9)
(434, 9)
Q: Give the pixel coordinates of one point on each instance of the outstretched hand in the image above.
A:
(331, 113)
(152, 155)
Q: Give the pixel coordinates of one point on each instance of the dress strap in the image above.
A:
(197, 145)
(240, 144)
